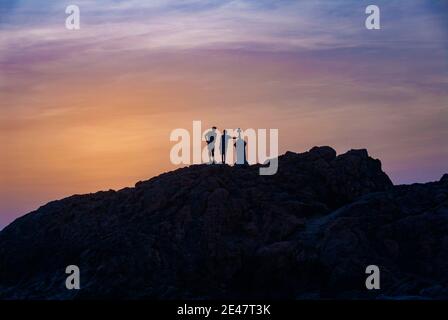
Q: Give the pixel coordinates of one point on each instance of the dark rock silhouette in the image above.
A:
(205, 232)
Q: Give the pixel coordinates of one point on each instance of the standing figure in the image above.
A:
(240, 146)
(210, 138)
(224, 142)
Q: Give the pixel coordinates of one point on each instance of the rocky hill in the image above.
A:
(214, 231)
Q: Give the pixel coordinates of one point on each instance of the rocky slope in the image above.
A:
(216, 231)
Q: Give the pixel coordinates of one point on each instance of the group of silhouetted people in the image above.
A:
(240, 145)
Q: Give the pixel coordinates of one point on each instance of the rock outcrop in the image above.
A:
(214, 231)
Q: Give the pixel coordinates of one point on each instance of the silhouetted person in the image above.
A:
(240, 146)
(224, 142)
(210, 138)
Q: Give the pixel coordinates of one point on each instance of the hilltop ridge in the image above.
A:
(215, 231)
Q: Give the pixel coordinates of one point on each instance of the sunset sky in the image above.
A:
(92, 109)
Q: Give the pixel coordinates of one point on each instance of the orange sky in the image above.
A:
(88, 111)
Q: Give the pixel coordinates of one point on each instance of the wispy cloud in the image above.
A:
(266, 25)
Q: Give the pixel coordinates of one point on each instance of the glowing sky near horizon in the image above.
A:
(89, 110)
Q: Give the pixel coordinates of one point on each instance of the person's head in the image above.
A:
(214, 128)
(224, 132)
